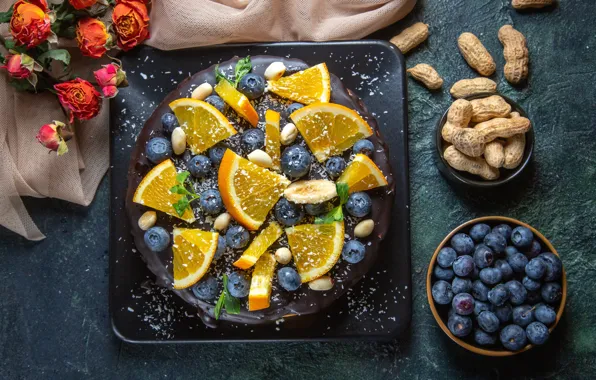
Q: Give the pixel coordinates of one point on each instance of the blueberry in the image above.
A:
(537, 333)
(534, 250)
(335, 166)
(252, 86)
(480, 306)
(216, 102)
(288, 213)
(460, 285)
(505, 269)
(364, 146)
(554, 266)
(498, 295)
(237, 237)
(551, 292)
(463, 304)
(483, 256)
(518, 262)
(533, 297)
(523, 315)
(488, 321)
(480, 291)
(517, 292)
(211, 202)
(522, 237)
(479, 231)
(459, 325)
(353, 252)
(442, 292)
(199, 166)
(156, 239)
(496, 242)
(536, 268)
(446, 257)
(510, 251)
(295, 161)
(318, 208)
(253, 139)
(483, 338)
(463, 266)
(545, 314)
(503, 230)
(291, 108)
(463, 244)
(491, 276)
(503, 313)
(359, 204)
(531, 284)
(221, 247)
(216, 153)
(206, 289)
(158, 149)
(238, 285)
(169, 122)
(513, 337)
(444, 273)
(288, 279)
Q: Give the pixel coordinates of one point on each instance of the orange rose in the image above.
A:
(81, 4)
(92, 37)
(80, 97)
(30, 23)
(131, 22)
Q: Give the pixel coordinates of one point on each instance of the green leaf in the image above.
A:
(9, 43)
(21, 85)
(334, 215)
(182, 176)
(343, 191)
(219, 76)
(181, 205)
(180, 189)
(242, 68)
(232, 304)
(6, 16)
(61, 55)
(219, 304)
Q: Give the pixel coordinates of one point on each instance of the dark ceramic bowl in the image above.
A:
(464, 178)
(440, 313)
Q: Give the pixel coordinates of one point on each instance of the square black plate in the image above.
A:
(377, 308)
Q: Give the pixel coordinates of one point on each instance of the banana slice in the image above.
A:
(311, 191)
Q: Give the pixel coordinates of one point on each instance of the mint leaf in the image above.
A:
(6, 16)
(181, 205)
(219, 76)
(179, 189)
(337, 214)
(343, 191)
(182, 176)
(242, 68)
(220, 303)
(226, 301)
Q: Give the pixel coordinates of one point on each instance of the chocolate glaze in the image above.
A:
(304, 301)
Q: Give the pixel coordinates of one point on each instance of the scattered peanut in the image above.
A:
(524, 4)
(321, 284)
(260, 158)
(427, 75)
(411, 37)
(283, 255)
(514, 151)
(275, 71)
(469, 87)
(516, 54)
(494, 154)
(472, 141)
(459, 116)
(178, 140)
(472, 165)
(288, 134)
(364, 228)
(202, 92)
(222, 221)
(476, 54)
(489, 108)
(147, 220)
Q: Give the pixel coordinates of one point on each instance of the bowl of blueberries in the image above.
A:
(496, 286)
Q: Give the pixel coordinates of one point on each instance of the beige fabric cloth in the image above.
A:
(26, 168)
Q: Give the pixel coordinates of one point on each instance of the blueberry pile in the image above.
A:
(498, 286)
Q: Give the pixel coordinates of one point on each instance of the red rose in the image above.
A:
(51, 136)
(131, 23)
(82, 4)
(80, 97)
(109, 78)
(30, 23)
(92, 37)
(18, 67)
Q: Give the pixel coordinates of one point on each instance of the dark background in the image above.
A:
(54, 320)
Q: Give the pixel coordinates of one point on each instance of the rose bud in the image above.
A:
(82, 4)
(51, 136)
(30, 23)
(109, 78)
(131, 23)
(80, 98)
(92, 37)
(21, 66)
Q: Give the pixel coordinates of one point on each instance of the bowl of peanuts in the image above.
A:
(484, 140)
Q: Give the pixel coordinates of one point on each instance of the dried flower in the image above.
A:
(52, 137)
(109, 78)
(80, 98)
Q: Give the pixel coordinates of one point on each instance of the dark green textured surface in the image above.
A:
(53, 309)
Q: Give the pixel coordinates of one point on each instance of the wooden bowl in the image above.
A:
(492, 221)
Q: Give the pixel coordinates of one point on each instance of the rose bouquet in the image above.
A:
(35, 62)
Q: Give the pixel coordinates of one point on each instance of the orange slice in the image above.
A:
(193, 252)
(260, 284)
(329, 128)
(308, 86)
(248, 191)
(203, 124)
(315, 247)
(237, 101)
(272, 138)
(154, 191)
(259, 245)
(362, 174)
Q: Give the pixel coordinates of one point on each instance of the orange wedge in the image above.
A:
(272, 138)
(329, 129)
(315, 247)
(308, 86)
(237, 101)
(260, 284)
(154, 191)
(259, 245)
(362, 174)
(193, 252)
(203, 124)
(248, 191)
